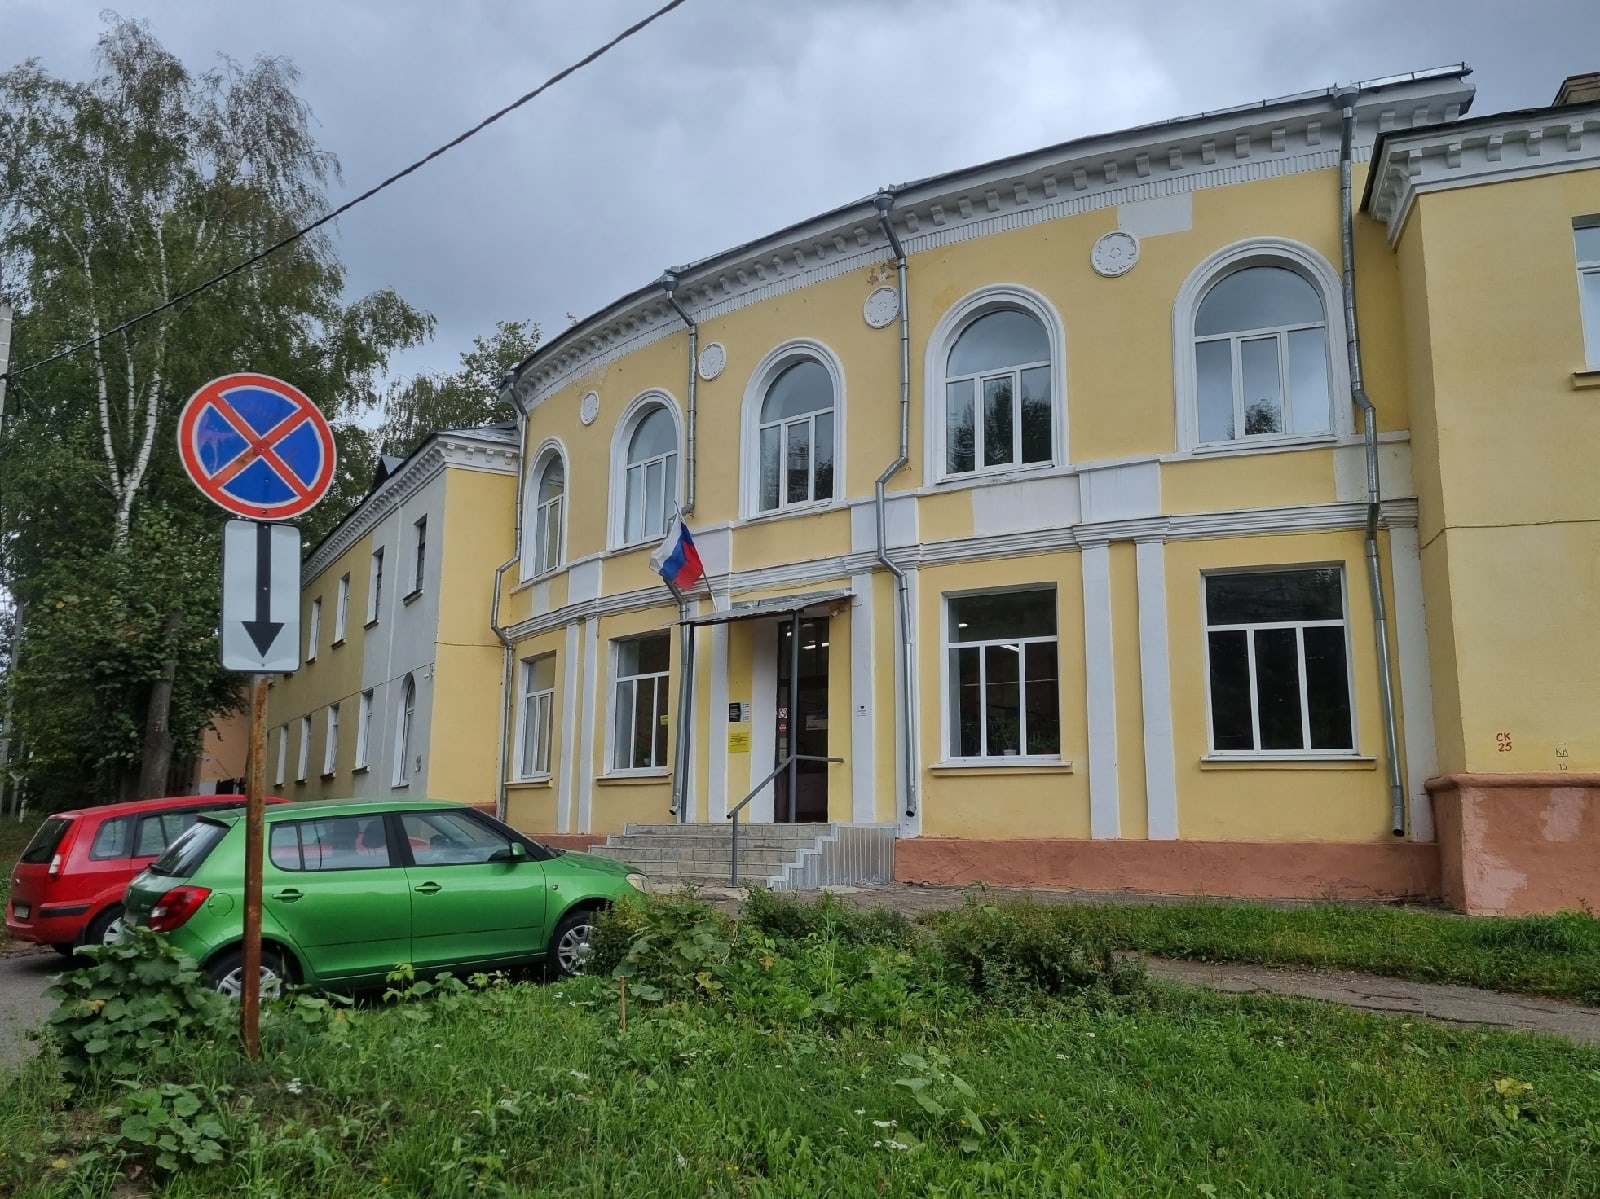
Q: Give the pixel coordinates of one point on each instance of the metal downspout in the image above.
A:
(494, 616)
(884, 201)
(1369, 422)
(680, 773)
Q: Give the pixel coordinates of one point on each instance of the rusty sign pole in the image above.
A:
(250, 995)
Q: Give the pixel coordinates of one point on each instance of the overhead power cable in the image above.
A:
(636, 27)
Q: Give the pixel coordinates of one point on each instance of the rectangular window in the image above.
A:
(1005, 690)
(1586, 238)
(304, 760)
(283, 755)
(421, 535)
(639, 703)
(341, 614)
(538, 694)
(330, 751)
(375, 587)
(1278, 663)
(314, 629)
(364, 731)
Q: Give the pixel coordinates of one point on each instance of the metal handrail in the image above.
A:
(733, 815)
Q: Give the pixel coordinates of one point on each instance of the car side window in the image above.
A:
(452, 839)
(159, 830)
(114, 840)
(336, 843)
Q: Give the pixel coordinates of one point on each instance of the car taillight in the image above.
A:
(55, 865)
(176, 906)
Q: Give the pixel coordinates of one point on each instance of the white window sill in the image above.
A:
(624, 778)
(1586, 378)
(412, 596)
(362, 769)
(1002, 765)
(337, 642)
(994, 474)
(327, 774)
(814, 508)
(310, 658)
(530, 780)
(400, 786)
(1287, 762)
(1262, 445)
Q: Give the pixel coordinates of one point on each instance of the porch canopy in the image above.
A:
(813, 603)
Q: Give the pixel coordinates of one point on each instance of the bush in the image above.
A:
(134, 1007)
(1023, 950)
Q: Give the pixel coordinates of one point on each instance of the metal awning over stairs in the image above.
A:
(784, 857)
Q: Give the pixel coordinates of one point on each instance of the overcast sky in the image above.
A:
(731, 118)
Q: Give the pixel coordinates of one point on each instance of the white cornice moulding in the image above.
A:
(1520, 147)
(1195, 526)
(462, 452)
(1267, 140)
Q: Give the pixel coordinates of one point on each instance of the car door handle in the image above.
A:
(429, 889)
(288, 895)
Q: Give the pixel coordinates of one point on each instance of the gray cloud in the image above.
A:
(732, 118)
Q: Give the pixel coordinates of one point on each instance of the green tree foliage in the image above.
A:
(423, 404)
(116, 195)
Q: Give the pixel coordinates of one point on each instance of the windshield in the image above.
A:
(45, 842)
(183, 857)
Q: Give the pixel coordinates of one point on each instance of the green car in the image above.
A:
(351, 889)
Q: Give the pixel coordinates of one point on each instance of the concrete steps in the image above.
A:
(780, 856)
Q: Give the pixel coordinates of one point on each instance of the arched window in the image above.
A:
(997, 394)
(648, 474)
(793, 417)
(1261, 356)
(549, 509)
(996, 385)
(402, 731)
(1257, 360)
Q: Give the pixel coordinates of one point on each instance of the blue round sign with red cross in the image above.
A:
(256, 446)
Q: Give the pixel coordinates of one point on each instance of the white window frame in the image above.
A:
(303, 759)
(341, 613)
(330, 748)
(404, 726)
(943, 339)
(641, 407)
(1206, 628)
(946, 673)
(375, 586)
(283, 755)
(1259, 251)
(419, 553)
(662, 683)
(1589, 316)
(364, 731)
(538, 515)
(779, 359)
(314, 629)
(537, 715)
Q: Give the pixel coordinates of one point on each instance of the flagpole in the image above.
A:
(680, 763)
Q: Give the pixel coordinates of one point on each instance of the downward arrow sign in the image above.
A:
(263, 629)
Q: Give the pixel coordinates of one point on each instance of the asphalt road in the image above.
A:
(23, 978)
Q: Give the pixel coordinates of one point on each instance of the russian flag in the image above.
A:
(676, 560)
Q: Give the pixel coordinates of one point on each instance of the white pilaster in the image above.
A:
(1155, 679)
(595, 696)
(1416, 680)
(863, 760)
(569, 728)
(1101, 699)
(717, 798)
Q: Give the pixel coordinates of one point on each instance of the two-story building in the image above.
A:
(1186, 509)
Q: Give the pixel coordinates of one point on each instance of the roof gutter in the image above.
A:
(507, 645)
(669, 283)
(1346, 100)
(884, 201)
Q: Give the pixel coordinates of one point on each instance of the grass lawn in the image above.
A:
(1538, 955)
(535, 1090)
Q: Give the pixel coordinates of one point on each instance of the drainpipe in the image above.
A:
(1369, 421)
(884, 201)
(669, 283)
(506, 699)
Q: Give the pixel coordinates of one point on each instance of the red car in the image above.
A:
(66, 890)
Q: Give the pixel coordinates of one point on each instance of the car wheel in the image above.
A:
(227, 973)
(104, 929)
(569, 948)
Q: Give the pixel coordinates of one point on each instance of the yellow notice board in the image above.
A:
(738, 741)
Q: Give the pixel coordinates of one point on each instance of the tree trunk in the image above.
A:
(157, 731)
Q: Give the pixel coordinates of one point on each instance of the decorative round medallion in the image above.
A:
(589, 408)
(712, 359)
(1114, 254)
(882, 306)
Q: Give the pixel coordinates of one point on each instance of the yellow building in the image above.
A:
(1178, 509)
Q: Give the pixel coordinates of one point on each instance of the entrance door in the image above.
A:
(807, 727)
